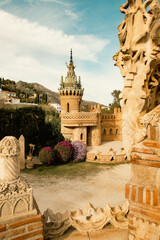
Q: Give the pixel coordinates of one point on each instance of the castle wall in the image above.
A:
(92, 128)
(111, 126)
(94, 136)
(75, 134)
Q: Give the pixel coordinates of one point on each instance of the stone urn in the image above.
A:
(29, 161)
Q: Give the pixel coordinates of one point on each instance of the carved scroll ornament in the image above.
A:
(138, 57)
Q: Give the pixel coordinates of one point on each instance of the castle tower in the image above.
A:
(70, 90)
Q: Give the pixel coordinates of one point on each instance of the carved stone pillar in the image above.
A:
(19, 214)
(16, 197)
(139, 63)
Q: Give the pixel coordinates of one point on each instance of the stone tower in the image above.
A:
(70, 90)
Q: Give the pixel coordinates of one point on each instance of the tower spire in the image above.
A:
(71, 56)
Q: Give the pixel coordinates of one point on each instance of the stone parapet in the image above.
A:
(105, 158)
(79, 119)
(85, 220)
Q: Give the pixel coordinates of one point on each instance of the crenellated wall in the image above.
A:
(111, 126)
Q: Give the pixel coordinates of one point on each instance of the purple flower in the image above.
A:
(80, 151)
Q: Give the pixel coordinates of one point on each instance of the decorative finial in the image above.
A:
(71, 55)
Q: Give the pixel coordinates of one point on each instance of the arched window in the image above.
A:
(67, 107)
(117, 131)
(104, 131)
(110, 131)
(81, 137)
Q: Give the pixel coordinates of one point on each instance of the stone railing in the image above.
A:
(86, 220)
(79, 119)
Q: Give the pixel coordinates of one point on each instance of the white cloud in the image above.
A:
(71, 14)
(56, 1)
(4, 2)
(35, 53)
(24, 37)
(49, 1)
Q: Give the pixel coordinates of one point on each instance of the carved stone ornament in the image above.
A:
(9, 159)
(151, 118)
(139, 63)
(85, 220)
(16, 197)
(144, 230)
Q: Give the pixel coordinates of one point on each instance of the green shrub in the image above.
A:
(46, 156)
(63, 152)
(30, 122)
(68, 140)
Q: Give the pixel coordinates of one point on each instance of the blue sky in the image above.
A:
(37, 35)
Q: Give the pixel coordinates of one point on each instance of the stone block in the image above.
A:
(22, 152)
(127, 188)
(133, 193)
(29, 235)
(32, 219)
(148, 196)
(140, 194)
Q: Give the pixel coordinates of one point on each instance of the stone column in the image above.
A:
(16, 196)
(22, 152)
(19, 216)
(9, 159)
(139, 63)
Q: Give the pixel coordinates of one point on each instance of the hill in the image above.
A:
(51, 95)
(34, 92)
(30, 88)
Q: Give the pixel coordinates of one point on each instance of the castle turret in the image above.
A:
(70, 90)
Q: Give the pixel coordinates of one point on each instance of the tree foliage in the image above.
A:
(116, 101)
(31, 123)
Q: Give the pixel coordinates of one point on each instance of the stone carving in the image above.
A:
(151, 118)
(84, 220)
(145, 230)
(16, 196)
(139, 63)
(9, 158)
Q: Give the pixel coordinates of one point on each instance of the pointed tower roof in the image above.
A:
(71, 82)
(71, 67)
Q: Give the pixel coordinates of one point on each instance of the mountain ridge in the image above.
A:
(51, 95)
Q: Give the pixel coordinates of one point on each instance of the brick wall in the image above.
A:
(143, 192)
(20, 228)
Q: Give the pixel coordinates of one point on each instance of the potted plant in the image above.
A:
(30, 156)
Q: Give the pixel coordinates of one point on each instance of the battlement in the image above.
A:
(117, 110)
(71, 92)
(94, 108)
(108, 116)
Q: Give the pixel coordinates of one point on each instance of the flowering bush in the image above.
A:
(80, 151)
(63, 152)
(46, 155)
